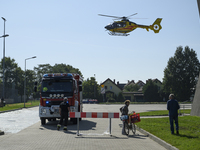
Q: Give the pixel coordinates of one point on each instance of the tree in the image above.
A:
(57, 68)
(131, 88)
(150, 91)
(30, 79)
(91, 88)
(63, 68)
(41, 70)
(19, 81)
(181, 73)
(110, 96)
(9, 74)
(120, 97)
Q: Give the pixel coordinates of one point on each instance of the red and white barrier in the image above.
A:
(94, 115)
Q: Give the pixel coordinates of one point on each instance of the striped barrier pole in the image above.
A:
(93, 115)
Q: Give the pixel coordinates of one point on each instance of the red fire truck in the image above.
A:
(56, 86)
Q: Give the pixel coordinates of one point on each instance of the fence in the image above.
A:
(183, 106)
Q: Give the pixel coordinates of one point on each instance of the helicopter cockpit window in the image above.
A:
(119, 25)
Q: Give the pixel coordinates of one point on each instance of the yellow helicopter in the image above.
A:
(125, 26)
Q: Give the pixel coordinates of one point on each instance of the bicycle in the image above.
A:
(129, 122)
(128, 127)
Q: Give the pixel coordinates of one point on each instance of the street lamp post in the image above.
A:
(94, 85)
(4, 35)
(25, 79)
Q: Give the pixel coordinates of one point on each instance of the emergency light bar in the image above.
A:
(57, 75)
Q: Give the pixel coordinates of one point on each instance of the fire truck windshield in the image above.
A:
(55, 86)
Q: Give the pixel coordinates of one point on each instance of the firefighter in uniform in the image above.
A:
(63, 110)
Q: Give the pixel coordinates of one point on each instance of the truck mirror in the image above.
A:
(80, 88)
(79, 82)
(35, 88)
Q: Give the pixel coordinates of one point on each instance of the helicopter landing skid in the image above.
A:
(118, 34)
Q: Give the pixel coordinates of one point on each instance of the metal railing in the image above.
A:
(183, 106)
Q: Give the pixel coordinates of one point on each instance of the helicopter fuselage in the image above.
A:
(124, 26)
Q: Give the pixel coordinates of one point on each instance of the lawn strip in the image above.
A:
(189, 131)
(162, 112)
(19, 106)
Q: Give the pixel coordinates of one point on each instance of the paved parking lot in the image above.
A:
(15, 121)
(94, 137)
(94, 131)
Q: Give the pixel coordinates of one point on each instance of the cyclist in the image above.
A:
(125, 112)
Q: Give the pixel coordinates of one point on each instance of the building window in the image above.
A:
(106, 87)
(110, 87)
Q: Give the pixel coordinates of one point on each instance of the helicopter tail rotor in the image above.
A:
(156, 27)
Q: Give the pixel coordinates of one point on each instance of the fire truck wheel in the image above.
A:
(43, 121)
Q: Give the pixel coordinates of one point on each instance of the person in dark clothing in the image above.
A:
(125, 108)
(63, 110)
(125, 112)
(173, 106)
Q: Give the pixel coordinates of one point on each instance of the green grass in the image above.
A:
(162, 112)
(189, 129)
(19, 105)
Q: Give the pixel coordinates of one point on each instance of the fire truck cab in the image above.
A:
(56, 86)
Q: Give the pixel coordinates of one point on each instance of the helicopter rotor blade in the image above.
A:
(131, 15)
(109, 16)
(116, 17)
(138, 18)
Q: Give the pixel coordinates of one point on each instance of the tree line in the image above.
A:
(180, 77)
(13, 74)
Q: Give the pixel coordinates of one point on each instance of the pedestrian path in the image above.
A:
(47, 137)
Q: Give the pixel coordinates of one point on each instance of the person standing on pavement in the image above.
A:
(125, 108)
(173, 106)
(125, 112)
(63, 110)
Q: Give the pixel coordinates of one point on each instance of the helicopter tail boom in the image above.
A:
(156, 27)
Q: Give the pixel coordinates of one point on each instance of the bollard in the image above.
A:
(77, 127)
(110, 127)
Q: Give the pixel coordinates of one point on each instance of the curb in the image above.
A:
(156, 139)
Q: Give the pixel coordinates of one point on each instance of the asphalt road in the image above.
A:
(115, 108)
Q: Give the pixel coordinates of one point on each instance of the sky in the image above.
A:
(72, 33)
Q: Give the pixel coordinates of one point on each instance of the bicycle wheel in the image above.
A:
(126, 128)
(133, 128)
